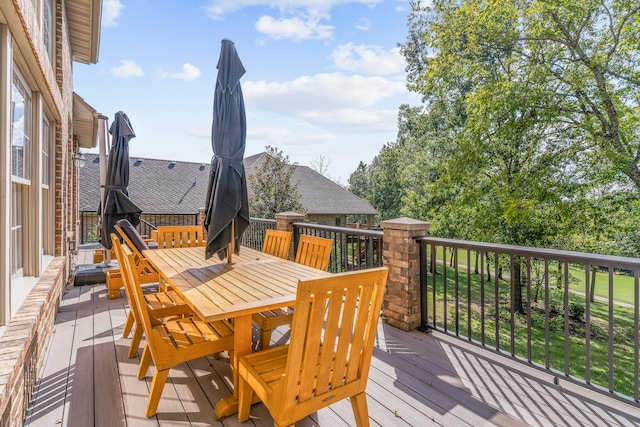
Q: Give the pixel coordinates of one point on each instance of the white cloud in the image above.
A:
(322, 91)
(189, 73)
(363, 24)
(218, 8)
(111, 12)
(368, 59)
(297, 20)
(350, 103)
(127, 69)
(294, 28)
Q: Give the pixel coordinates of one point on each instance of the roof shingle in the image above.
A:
(172, 187)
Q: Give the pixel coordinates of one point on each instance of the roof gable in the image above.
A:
(164, 186)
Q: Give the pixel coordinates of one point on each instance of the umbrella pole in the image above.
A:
(104, 147)
(232, 245)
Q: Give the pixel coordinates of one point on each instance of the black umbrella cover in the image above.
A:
(227, 198)
(117, 204)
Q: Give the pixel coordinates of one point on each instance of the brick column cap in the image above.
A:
(405, 224)
(290, 216)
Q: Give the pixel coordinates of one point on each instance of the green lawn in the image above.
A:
(473, 314)
(623, 286)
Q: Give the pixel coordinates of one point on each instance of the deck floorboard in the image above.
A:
(415, 379)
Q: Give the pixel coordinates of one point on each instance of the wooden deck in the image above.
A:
(415, 380)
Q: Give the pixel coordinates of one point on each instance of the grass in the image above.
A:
(547, 349)
(623, 285)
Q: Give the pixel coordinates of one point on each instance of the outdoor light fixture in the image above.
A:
(79, 160)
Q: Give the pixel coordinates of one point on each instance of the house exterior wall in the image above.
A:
(330, 220)
(26, 323)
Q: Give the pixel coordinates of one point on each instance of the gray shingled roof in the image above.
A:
(318, 194)
(164, 186)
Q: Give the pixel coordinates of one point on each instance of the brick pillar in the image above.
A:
(401, 254)
(284, 222)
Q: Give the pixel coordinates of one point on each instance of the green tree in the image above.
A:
(360, 182)
(517, 151)
(272, 187)
(574, 64)
(386, 188)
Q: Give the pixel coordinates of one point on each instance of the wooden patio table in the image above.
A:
(215, 290)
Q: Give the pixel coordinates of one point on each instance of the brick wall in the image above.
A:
(23, 343)
(26, 336)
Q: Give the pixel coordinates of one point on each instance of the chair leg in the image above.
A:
(157, 385)
(265, 338)
(145, 361)
(128, 325)
(135, 341)
(245, 395)
(360, 411)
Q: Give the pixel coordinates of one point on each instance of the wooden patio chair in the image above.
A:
(313, 252)
(171, 342)
(180, 236)
(160, 304)
(332, 336)
(277, 243)
(132, 238)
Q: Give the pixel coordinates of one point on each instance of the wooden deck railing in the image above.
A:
(539, 306)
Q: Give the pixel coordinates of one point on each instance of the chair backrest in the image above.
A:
(180, 236)
(136, 300)
(119, 250)
(277, 243)
(314, 251)
(131, 236)
(335, 320)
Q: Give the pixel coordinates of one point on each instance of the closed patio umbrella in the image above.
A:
(227, 203)
(117, 204)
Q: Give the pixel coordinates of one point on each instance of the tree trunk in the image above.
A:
(560, 283)
(592, 285)
(517, 289)
(475, 270)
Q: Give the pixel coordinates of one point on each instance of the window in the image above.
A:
(20, 169)
(48, 213)
(17, 231)
(48, 35)
(20, 129)
(46, 146)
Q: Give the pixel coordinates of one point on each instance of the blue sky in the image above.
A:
(324, 77)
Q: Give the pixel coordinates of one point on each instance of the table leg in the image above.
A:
(242, 337)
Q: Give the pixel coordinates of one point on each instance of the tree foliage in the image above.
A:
(272, 187)
(529, 132)
(571, 67)
(530, 109)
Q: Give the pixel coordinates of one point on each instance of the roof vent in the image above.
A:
(137, 163)
(96, 160)
(172, 165)
(202, 167)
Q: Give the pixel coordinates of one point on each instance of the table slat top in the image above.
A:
(215, 290)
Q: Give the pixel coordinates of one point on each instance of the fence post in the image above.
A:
(200, 221)
(284, 221)
(401, 254)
